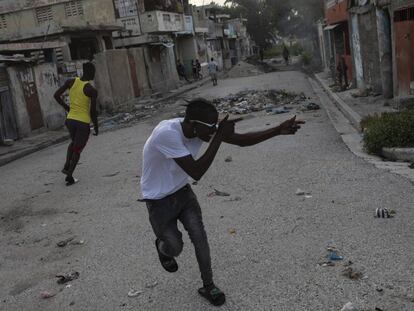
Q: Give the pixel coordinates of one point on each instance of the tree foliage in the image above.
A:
(268, 17)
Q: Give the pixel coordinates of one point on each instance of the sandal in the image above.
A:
(213, 294)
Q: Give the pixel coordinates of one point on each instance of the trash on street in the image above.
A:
(64, 278)
(134, 293)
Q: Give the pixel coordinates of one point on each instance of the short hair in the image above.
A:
(88, 69)
(212, 58)
(199, 109)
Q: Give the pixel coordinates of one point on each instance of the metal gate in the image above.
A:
(27, 81)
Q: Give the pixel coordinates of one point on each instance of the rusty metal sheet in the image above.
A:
(28, 84)
(134, 76)
(404, 53)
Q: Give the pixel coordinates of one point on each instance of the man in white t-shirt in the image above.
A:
(169, 158)
(212, 70)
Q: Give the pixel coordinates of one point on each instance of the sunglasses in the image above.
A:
(211, 126)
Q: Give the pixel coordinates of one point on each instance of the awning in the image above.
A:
(330, 27)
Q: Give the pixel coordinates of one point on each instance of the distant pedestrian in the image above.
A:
(194, 69)
(170, 156)
(286, 54)
(342, 71)
(212, 70)
(261, 53)
(181, 71)
(198, 69)
(81, 111)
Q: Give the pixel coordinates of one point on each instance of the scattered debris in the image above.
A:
(307, 196)
(349, 307)
(47, 295)
(351, 273)
(252, 100)
(312, 106)
(70, 241)
(152, 285)
(218, 193)
(228, 159)
(326, 264)
(134, 293)
(279, 110)
(383, 213)
(235, 199)
(195, 183)
(72, 303)
(301, 192)
(111, 175)
(64, 278)
(232, 231)
(64, 242)
(333, 256)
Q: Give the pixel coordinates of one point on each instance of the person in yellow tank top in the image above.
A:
(81, 112)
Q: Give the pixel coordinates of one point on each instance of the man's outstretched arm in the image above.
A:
(58, 94)
(288, 127)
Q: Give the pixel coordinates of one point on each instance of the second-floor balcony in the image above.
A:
(162, 22)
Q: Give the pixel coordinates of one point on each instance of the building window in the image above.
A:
(177, 18)
(3, 22)
(44, 14)
(74, 8)
(125, 8)
(166, 17)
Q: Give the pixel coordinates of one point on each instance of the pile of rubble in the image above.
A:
(252, 101)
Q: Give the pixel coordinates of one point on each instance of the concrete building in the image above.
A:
(85, 26)
(336, 16)
(238, 44)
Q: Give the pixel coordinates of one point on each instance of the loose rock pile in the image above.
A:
(252, 101)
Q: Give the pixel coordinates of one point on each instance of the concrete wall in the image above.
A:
(162, 69)
(113, 79)
(22, 23)
(186, 51)
(47, 83)
(19, 103)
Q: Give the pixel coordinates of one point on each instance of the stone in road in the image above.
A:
(269, 262)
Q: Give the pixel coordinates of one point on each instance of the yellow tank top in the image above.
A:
(80, 104)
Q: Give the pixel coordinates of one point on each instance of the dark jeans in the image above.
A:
(183, 206)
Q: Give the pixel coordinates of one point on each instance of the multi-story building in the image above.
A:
(74, 29)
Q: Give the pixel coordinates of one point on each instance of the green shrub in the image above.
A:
(391, 130)
(273, 52)
(306, 58)
(296, 49)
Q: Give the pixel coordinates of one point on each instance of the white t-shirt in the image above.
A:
(161, 175)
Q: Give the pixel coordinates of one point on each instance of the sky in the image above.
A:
(200, 2)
